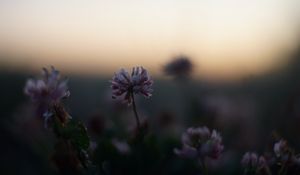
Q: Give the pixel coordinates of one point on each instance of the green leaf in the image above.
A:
(78, 135)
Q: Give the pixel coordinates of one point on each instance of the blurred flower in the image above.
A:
(186, 152)
(49, 88)
(280, 148)
(180, 67)
(249, 160)
(262, 162)
(199, 143)
(122, 147)
(47, 92)
(93, 146)
(214, 145)
(123, 85)
(285, 155)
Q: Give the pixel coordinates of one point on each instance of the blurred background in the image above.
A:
(243, 79)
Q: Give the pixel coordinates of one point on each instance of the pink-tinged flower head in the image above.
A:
(195, 136)
(280, 148)
(249, 160)
(246, 159)
(180, 67)
(200, 142)
(121, 146)
(214, 146)
(123, 85)
(252, 161)
(262, 162)
(186, 152)
(47, 91)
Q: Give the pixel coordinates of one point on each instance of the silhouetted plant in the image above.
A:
(125, 86)
(180, 67)
(70, 155)
(199, 143)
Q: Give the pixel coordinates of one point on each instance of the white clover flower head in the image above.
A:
(195, 136)
(249, 159)
(186, 152)
(121, 146)
(246, 159)
(253, 159)
(280, 148)
(49, 88)
(123, 85)
(262, 162)
(200, 142)
(215, 146)
(47, 91)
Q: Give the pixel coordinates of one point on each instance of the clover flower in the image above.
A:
(280, 148)
(123, 85)
(249, 160)
(200, 143)
(180, 67)
(284, 153)
(121, 146)
(47, 92)
(252, 163)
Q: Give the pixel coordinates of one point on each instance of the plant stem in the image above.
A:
(135, 111)
(283, 169)
(204, 168)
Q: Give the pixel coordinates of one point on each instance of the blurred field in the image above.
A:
(247, 113)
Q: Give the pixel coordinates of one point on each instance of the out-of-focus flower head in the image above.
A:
(262, 161)
(251, 161)
(123, 85)
(47, 91)
(121, 146)
(214, 146)
(284, 153)
(179, 67)
(49, 88)
(199, 143)
(280, 148)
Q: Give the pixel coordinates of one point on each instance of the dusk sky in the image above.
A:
(224, 38)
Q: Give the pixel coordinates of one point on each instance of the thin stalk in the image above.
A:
(283, 169)
(135, 111)
(203, 165)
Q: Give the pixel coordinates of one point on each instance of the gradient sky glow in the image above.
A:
(225, 38)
